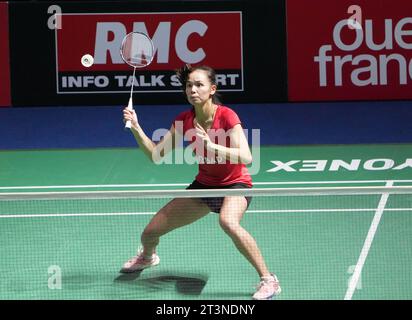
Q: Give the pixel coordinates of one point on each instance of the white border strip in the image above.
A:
(142, 185)
(182, 193)
(367, 244)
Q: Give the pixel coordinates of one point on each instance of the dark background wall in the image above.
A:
(278, 46)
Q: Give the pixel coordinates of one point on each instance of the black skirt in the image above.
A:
(215, 203)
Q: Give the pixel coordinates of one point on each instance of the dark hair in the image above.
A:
(183, 75)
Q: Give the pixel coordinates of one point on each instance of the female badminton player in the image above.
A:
(206, 115)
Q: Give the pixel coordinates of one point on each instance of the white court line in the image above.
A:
(54, 215)
(86, 186)
(367, 244)
(108, 214)
(186, 184)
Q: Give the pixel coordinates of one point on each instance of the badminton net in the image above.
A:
(71, 245)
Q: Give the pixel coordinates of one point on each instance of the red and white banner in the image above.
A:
(211, 38)
(346, 50)
(5, 99)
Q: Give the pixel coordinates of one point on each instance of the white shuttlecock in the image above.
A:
(87, 60)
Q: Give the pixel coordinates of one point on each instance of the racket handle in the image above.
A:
(128, 124)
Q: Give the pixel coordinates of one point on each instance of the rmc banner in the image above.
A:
(178, 38)
(227, 35)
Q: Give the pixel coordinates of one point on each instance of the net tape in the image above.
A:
(275, 192)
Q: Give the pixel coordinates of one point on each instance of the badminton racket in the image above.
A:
(137, 51)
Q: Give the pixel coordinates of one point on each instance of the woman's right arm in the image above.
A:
(152, 150)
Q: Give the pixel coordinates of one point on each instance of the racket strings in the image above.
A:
(137, 50)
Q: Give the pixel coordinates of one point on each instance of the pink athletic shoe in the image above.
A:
(139, 262)
(267, 288)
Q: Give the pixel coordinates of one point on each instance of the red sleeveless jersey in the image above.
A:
(213, 170)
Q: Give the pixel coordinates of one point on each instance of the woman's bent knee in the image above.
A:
(151, 233)
(230, 227)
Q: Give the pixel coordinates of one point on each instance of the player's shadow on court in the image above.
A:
(184, 284)
(128, 276)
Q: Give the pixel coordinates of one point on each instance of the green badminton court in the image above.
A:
(60, 249)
